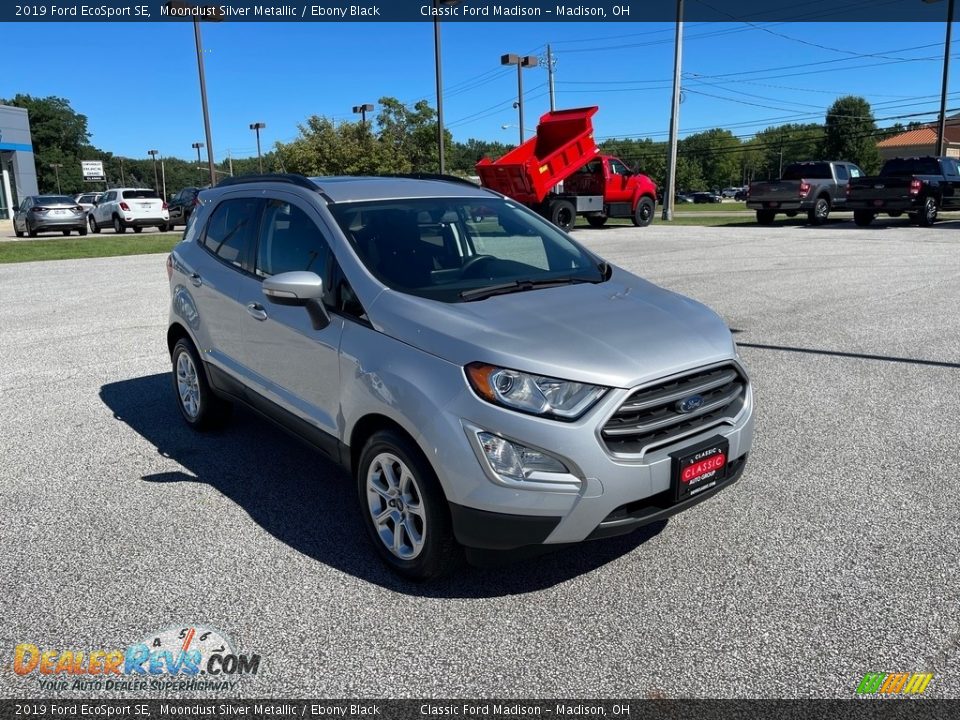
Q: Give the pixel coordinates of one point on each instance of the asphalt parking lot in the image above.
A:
(836, 553)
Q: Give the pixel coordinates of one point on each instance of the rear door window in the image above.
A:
(232, 229)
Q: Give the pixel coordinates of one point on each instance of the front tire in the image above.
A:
(200, 408)
(94, 227)
(404, 509)
(765, 217)
(928, 215)
(563, 214)
(643, 212)
(862, 217)
(119, 227)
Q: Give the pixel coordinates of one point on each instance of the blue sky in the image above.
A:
(137, 83)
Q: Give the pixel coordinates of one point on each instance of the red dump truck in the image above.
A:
(563, 150)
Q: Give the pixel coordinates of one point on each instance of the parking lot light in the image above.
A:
(257, 127)
(362, 110)
(196, 146)
(56, 168)
(521, 61)
(156, 176)
(439, 74)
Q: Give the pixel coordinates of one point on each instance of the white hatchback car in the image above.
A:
(129, 207)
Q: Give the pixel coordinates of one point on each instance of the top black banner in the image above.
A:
(606, 11)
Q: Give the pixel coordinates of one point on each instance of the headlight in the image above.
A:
(535, 394)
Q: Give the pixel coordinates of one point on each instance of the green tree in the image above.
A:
(850, 133)
(717, 154)
(774, 148)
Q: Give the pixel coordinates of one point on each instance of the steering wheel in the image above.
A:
(472, 263)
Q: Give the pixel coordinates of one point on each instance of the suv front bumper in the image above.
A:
(605, 494)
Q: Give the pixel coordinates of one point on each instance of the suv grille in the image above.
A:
(652, 416)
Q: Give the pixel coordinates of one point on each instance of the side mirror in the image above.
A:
(301, 288)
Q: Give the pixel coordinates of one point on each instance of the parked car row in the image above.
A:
(917, 186)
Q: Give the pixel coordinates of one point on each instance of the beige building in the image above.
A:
(922, 141)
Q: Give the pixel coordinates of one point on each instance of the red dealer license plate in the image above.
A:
(700, 468)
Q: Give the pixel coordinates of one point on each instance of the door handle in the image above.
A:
(257, 311)
(196, 279)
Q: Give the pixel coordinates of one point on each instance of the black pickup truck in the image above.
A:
(917, 186)
(814, 187)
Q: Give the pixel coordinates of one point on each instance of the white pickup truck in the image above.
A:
(129, 207)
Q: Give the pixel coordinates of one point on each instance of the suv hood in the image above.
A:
(618, 333)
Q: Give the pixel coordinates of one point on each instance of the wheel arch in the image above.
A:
(176, 332)
(366, 427)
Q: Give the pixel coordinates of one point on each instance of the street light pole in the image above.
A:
(203, 101)
(56, 168)
(196, 146)
(521, 61)
(362, 111)
(156, 177)
(670, 190)
(257, 127)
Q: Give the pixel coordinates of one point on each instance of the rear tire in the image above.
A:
(596, 221)
(137, 229)
(563, 214)
(765, 217)
(82, 231)
(18, 233)
(404, 508)
(928, 215)
(66, 233)
(820, 212)
(643, 212)
(30, 231)
(862, 217)
(199, 407)
(119, 226)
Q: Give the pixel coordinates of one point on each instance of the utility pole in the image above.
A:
(156, 178)
(553, 95)
(163, 175)
(670, 190)
(230, 161)
(122, 180)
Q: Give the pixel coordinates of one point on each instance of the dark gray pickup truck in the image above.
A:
(813, 187)
(917, 186)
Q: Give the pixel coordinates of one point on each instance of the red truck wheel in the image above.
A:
(563, 214)
(643, 212)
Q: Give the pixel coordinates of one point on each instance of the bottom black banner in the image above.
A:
(509, 709)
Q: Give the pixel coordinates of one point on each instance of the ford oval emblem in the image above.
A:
(689, 404)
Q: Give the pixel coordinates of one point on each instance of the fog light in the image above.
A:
(515, 461)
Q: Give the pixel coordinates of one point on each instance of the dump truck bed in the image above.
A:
(563, 144)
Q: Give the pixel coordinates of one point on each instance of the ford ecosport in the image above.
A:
(487, 381)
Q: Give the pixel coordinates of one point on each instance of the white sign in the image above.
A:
(92, 170)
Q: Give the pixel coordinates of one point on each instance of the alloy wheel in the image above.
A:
(188, 385)
(395, 503)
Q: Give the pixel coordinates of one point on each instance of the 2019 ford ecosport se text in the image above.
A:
(488, 382)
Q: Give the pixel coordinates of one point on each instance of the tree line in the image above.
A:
(403, 139)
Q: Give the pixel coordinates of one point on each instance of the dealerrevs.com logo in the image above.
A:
(182, 657)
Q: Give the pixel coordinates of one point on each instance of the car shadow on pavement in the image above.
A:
(309, 502)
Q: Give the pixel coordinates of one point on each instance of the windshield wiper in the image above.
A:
(517, 286)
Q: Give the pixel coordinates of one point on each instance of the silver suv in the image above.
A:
(489, 383)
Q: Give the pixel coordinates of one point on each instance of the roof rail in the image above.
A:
(432, 176)
(290, 178)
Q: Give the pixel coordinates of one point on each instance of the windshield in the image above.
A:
(444, 248)
(150, 194)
